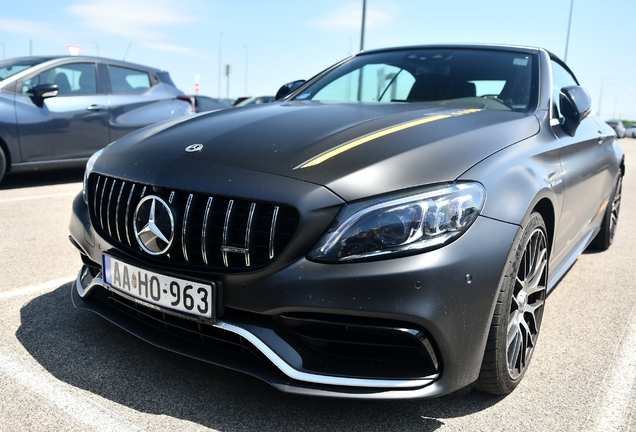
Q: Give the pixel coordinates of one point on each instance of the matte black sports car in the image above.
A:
(388, 229)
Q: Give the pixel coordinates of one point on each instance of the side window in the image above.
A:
(128, 81)
(560, 78)
(71, 79)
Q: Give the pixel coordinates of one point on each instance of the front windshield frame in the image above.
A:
(520, 67)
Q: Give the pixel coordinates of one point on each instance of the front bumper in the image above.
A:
(444, 299)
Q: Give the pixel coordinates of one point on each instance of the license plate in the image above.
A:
(157, 289)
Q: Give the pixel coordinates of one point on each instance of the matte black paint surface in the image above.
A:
(525, 162)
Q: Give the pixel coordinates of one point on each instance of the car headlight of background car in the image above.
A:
(401, 224)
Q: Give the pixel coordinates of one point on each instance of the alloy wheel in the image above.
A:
(526, 307)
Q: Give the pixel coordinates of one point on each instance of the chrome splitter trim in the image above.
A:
(84, 285)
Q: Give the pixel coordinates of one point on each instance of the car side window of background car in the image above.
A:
(127, 80)
(71, 79)
(560, 78)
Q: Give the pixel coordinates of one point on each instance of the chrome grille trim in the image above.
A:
(101, 203)
(204, 231)
(96, 189)
(211, 232)
(184, 243)
(110, 198)
(225, 231)
(117, 213)
(130, 195)
(272, 232)
(248, 230)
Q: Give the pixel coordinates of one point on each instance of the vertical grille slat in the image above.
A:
(226, 229)
(216, 232)
(248, 230)
(109, 205)
(204, 231)
(184, 229)
(129, 211)
(272, 232)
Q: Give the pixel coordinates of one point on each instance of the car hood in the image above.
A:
(355, 150)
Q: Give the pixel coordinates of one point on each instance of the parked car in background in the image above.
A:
(389, 229)
(206, 103)
(255, 101)
(630, 131)
(618, 127)
(57, 111)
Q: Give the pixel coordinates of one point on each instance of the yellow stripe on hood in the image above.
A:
(375, 135)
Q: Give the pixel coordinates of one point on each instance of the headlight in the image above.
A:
(87, 172)
(402, 224)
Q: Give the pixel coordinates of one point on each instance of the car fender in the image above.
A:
(518, 178)
(9, 130)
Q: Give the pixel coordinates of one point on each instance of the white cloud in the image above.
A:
(142, 21)
(32, 29)
(348, 17)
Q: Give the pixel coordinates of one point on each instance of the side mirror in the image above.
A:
(43, 91)
(575, 105)
(288, 88)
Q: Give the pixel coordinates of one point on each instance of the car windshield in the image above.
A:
(447, 77)
(13, 66)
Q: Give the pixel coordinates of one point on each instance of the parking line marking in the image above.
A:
(612, 403)
(38, 197)
(62, 396)
(31, 289)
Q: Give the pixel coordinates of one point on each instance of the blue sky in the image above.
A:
(269, 43)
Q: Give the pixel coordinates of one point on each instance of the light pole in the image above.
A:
(364, 14)
(600, 98)
(567, 39)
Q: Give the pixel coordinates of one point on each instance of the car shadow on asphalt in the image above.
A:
(41, 178)
(88, 352)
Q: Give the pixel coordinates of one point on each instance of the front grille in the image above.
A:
(210, 231)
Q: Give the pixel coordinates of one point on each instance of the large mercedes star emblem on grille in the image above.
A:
(154, 225)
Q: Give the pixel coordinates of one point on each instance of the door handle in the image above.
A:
(96, 107)
(601, 138)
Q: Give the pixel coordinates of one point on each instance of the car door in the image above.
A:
(135, 100)
(71, 125)
(586, 161)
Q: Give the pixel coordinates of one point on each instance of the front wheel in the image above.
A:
(3, 164)
(517, 318)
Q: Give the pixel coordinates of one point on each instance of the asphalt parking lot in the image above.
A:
(66, 369)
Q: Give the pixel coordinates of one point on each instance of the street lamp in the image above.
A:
(364, 13)
(567, 39)
(600, 98)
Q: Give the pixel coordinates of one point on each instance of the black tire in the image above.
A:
(605, 236)
(3, 164)
(517, 318)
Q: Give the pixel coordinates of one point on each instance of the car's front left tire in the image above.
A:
(518, 313)
(3, 164)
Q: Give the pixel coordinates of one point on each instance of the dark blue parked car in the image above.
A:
(57, 111)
